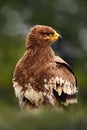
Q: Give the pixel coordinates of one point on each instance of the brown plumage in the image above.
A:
(41, 78)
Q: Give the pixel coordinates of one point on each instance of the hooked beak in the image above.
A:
(57, 36)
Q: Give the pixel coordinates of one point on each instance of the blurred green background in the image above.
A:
(69, 18)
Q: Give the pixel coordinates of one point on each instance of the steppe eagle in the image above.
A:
(40, 77)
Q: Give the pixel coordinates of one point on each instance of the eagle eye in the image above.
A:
(48, 34)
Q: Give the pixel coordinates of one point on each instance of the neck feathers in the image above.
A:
(44, 54)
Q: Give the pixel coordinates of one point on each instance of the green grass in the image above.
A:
(72, 118)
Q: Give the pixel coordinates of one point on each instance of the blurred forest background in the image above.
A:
(69, 17)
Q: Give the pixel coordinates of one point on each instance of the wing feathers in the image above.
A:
(59, 84)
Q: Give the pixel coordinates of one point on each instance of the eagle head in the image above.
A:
(41, 35)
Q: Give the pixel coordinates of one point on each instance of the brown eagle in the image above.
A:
(40, 78)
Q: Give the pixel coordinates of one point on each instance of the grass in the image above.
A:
(72, 118)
